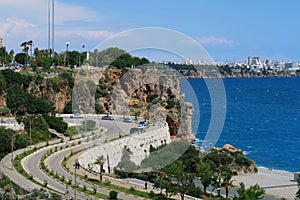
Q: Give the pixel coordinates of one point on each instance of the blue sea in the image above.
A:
(262, 118)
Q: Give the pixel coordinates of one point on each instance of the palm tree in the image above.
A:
(30, 43)
(25, 50)
(100, 160)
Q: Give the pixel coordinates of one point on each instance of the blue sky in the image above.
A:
(227, 29)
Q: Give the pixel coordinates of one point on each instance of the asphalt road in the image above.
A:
(31, 162)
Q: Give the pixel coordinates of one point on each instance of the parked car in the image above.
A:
(142, 124)
(107, 117)
(127, 119)
(77, 115)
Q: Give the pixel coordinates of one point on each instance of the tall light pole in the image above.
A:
(76, 165)
(12, 151)
(52, 28)
(49, 22)
(29, 117)
(67, 48)
(30, 130)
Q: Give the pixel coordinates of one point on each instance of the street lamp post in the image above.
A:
(67, 48)
(12, 151)
(29, 117)
(30, 130)
(76, 166)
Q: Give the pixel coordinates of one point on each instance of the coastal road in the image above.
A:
(31, 166)
(31, 162)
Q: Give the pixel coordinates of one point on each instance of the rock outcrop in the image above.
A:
(2, 99)
(57, 91)
(231, 148)
(154, 93)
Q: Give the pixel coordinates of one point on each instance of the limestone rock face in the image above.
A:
(2, 99)
(134, 102)
(231, 148)
(139, 84)
(59, 94)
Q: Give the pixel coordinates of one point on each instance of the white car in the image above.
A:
(77, 115)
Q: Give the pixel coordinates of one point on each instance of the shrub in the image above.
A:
(85, 177)
(56, 123)
(45, 183)
(62, 178)
(151, 194)
(94, 190)
(70, 181)
(113, 194)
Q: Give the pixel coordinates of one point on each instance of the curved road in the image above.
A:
(31, 162)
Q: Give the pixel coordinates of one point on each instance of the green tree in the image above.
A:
(178, 175)
(25, 46)
(227, 183)
(21, 58)
(206, 174)
(252, 193)
(100, 160)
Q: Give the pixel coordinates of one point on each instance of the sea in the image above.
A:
(262, 118)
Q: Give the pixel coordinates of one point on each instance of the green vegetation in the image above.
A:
(215, 169)
(8, 186)
(6, 137)
(56, 123)
(253, 192)
(113, 194)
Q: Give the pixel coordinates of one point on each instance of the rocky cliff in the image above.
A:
(55, 90)
(152, 92)
(2, 99)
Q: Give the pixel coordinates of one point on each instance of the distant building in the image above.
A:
(1, 44)
(255, 62)
(290, 65)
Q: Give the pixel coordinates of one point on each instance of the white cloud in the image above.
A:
(28, 19)
(214, 40)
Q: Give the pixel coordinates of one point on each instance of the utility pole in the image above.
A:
(30, 129)
(29, 117)
(75, 165)
(49, 22)
(12, 152)
(53, 28)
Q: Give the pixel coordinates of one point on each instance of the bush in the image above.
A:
(45, 183)
(56, 123)
(151, 194)
(94, 190)
(113, 194)
(5, 111)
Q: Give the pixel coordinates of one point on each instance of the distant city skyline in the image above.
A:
(229, 30)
